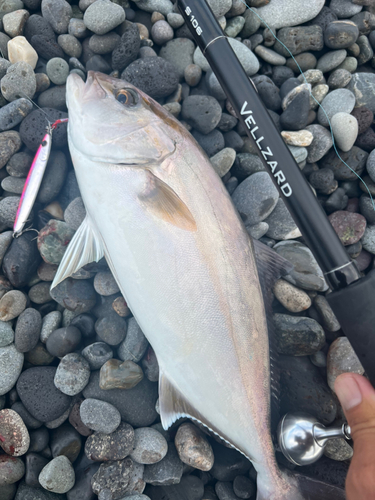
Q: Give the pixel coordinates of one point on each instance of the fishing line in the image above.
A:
(311, 95)
(40, 109)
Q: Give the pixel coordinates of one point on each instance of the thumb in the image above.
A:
(357, 397)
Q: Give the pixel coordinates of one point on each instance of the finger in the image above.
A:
(357, 397)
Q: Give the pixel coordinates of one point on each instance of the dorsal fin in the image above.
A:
(270, 267)
(86, 246)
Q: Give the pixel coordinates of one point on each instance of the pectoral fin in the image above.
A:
(86, 246)
(160, 200)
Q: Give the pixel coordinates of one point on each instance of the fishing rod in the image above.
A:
(353, 296)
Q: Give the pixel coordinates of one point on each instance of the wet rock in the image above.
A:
(119, 444)
(116, 374)
(193, 448)
(38, 393)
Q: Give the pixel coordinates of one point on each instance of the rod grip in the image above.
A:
(355, 309)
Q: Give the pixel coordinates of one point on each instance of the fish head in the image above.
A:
(111, 121)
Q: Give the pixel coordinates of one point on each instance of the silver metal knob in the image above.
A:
(302, 439)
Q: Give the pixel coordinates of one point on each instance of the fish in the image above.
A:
(186, 266)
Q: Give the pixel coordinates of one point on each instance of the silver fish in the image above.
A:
(185, 265)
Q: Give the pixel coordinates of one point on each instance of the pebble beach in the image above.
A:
(79, 410)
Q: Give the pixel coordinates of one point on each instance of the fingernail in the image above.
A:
(348, 392)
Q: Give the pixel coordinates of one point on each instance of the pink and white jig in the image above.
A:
(34, 179)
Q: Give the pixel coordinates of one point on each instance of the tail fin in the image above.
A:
(299, 487)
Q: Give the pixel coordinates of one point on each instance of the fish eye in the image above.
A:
(127, 97)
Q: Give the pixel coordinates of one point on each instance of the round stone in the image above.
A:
(135, 344)
(105, 284)
(149, 446)
(344, 8)
(223, 161)
(364, 118)
(104, 44)
(57, 70)
(298, 336)
(11, 470)
(38, 393)
(153, 75)
(179, 52)
(58, 475)
(327, 316)
(340, 34)
(97, 354)
(339, 79)
(70, 45)
(127, 49)
(28, 329)
(193, 447)
(116, 374)
(103, 16)
(255, 197)
(6, 333)
(111, 329)
(12, 304)
(161, 32)
(345, 130)
(368, 239)
(102, 447)
(306, 273)
(337, 101)
(362, 85)
(338, 449)
(58, 14)
(100, 416)
(299, 40)
(15, 439)
(13, 113)
(279, 13)
(350, 227)
(243, 487)
(18, 82)
(77, 296)
(85, 324)
(291, 297)
(167, 471)
(32, 131)
(192, 74)
(281, 225)
(51, 322)
(72, 374)
(331, 60)
(63, 341)
(112, 479)
(341, 359)
(202, 112)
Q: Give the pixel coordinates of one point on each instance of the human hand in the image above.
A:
(357, 397)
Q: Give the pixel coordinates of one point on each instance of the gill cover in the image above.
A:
(112, 129)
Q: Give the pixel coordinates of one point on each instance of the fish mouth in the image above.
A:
(95, 87)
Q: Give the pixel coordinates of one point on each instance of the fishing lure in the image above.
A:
(34, 179)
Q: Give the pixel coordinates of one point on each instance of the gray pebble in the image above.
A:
(252, 23)
(321, 143)
(51, 322)
(4, 65)
(27, 330)
(366, 52)
(13, 185)
(370, 165)
(11, 362)
(102, 16)
(18, 82)
(337, 101)
(257, 231)
(72, 374)
(165, 7)
(339, 79)
(192, 74)
(175, 20)
(291, 297)
(97, 354)
(234, 26)
(58, 475)
(58, 13)
(345, 130)
(327, 316)
(368, 239)
(70, 45)
(362, 85)
(6, 239)
(167, 471)
(105, 284)
(223, 161)
(344, 8)
(298, 336)
(57, 70)
(319, 359)
(281, 225)
(202, 112)
(256, 197)
(40, 293)
(306, 273)
(149, 446)
(11, 470)
(280, 13)
(6, 333)
(12, 114)
(135, 344)
(75, 213)
(161, 32)
(179, 52)
(331, 60)
(99, 416)
(338, 449)
(77, 28)
(104, 44)
(349, 63)
(270, 56)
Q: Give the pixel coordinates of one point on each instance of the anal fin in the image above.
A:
(86, 246)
